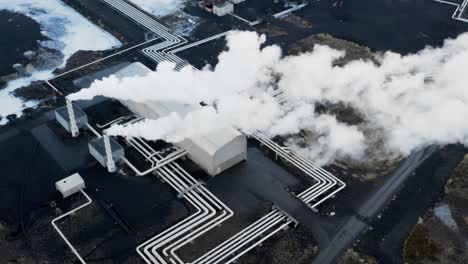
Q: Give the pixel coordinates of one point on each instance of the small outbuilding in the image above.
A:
(70, 185)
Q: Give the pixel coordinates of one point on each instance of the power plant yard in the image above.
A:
(231, 131)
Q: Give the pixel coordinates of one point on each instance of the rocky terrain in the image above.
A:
(353, 50)
(39, 60)
(371, 168)
(293, 246)
(441, 236)
(353, 257)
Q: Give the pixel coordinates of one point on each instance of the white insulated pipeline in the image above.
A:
(174, 175)
(171, 40)
(457, 14)
(244, 237)
(181, 181)
(325, 179)
(202, 221)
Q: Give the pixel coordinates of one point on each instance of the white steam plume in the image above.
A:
(405, 101)
(164, 127)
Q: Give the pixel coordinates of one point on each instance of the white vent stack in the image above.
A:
(107, 151)
(71, 117)
(71, 114)
(110, 160)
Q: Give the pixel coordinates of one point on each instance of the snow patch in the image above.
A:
(68, 31)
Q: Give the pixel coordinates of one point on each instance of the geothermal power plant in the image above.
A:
(234, 131)
(214, 153)
(189, 167)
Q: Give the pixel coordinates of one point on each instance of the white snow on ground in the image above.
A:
(68, 32)
(445, 215)
(9, 104)
(160, 7)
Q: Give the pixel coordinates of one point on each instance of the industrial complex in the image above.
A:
(214, 153)
(226, 196)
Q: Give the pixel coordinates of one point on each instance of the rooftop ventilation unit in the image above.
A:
(78, 118)
(97, 148)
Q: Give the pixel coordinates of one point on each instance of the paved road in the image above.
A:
(373, 204)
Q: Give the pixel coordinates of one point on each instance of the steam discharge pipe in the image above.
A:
(71, 115)
(110, 160)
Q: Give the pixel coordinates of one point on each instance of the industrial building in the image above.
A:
(200, 200)
(214, 152)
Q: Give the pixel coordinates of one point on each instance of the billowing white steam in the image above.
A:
(406, 101)
(164, 128)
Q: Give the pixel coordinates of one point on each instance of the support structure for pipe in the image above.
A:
(71, 114)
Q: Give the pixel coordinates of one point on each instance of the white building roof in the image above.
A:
(70, 185)
(209, 150)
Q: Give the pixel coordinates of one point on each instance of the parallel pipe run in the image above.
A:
(170, 39)
(150, 252)
(89, 201)
(168, 173)
(226, 213)
(307, 167)
(210, 210)
(178, 183)
(242, 238)
(197, 43)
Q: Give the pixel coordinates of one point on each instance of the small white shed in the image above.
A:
(70, 185)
